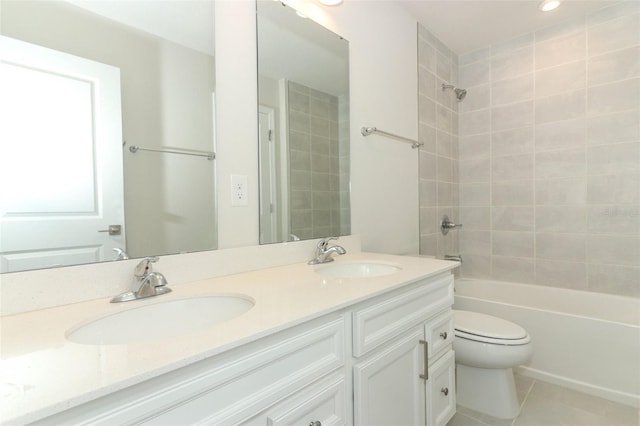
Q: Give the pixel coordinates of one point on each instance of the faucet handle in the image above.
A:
(324, 242)
(144, 267)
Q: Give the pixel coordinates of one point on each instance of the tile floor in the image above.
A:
(544, 404)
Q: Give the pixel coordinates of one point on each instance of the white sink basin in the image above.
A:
(364, 269)
(160, 320)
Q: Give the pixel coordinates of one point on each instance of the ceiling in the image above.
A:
(467, 25)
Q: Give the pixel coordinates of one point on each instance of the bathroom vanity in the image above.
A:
(365, 339)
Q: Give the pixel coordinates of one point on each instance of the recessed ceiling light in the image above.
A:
(331, 2)
(548, 5)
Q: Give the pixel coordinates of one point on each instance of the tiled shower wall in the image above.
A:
(314, 163)
(549, 155)
(438, 121)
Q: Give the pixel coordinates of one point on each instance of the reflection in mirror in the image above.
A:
(303, 72)
(79, 78)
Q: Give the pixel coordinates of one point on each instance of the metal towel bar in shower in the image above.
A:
(207, 154)
(366, 131)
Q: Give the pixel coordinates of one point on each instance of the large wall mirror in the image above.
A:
(83, 82)
(303, 80)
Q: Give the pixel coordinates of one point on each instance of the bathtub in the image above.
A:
(585, 341)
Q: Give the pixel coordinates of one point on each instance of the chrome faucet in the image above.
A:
(324, 252)
(146, 282)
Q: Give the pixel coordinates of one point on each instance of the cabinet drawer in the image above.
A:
(439, 334)
(441, 394)
(380, 322)
(324, 402)
(260, 379)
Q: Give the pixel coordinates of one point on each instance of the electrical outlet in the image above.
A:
(239, 193)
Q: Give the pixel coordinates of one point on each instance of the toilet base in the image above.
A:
(489, 391)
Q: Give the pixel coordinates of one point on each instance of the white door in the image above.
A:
(268, 183)
(61, 181)
(388, 390)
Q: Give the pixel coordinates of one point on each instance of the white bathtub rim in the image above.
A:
(624, 318)
(579, 386)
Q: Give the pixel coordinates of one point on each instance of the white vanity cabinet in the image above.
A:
(404, 364)
(363, 364)
(229, 388)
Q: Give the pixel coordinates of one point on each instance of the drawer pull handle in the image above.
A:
(445, 391)
(315, 423)
(425, 376)
(444, 335)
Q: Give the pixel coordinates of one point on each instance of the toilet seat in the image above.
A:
(488, 329)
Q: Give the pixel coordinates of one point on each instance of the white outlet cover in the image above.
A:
(239, 192)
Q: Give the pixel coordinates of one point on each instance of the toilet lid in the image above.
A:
(482, 325)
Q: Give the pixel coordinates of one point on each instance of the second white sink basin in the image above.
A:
(364, 269)
(160, 320)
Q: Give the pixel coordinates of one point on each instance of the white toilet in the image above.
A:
(486, 348)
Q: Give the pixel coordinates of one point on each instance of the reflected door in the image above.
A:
(61, 180)
(268, 184)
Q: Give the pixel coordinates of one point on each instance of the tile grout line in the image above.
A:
(524, 401)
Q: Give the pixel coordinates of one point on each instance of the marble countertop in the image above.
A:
(42, 373)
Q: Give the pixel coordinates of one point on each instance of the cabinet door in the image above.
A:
(388, 389)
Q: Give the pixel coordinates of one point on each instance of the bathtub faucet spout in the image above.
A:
(455, 257)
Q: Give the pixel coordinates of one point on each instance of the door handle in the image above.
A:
(425, 375)
(113, 230)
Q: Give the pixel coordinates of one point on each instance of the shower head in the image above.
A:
(460, 93)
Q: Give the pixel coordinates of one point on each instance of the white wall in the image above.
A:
(383, 90)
